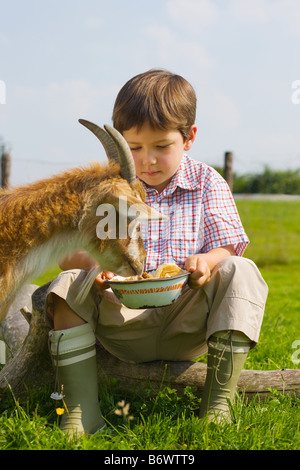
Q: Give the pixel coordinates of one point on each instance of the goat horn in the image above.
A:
(115, 147)
(126, 159)
(105, 139)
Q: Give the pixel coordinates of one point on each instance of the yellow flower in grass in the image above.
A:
(60, 411)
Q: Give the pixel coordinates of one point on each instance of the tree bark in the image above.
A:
(31, 367)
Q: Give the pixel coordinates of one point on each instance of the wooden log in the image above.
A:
(178, 375)
(14, 328)
(31, 367)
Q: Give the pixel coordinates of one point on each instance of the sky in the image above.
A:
(61, 60)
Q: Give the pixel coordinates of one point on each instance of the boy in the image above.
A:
(221, 309)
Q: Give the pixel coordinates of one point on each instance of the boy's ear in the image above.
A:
(191, 138)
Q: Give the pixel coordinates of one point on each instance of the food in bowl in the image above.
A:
(157, 289)
(164, 270)
(168, 270)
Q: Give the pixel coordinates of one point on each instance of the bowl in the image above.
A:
(148, 293)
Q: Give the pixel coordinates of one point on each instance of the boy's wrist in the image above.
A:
(202, 264)
(214, 256)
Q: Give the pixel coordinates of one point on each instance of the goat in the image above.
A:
(43, 221)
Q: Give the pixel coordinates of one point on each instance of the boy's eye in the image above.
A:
(134, 149)
(163, 146)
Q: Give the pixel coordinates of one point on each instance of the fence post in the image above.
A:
(228, 173)
(5, 170)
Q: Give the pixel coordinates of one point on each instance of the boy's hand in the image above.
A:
(198, 266)
(202, 265)
(101, 280)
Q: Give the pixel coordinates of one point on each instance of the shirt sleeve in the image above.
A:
(222, 224)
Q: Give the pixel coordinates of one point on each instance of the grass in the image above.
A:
(273, 228)
(165, 423)
(168, 421)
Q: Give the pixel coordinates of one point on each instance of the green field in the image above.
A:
(169, 421)
(274, 231)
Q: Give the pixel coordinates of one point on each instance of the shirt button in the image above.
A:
(154, 237)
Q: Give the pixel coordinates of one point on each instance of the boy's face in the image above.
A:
(157, 153)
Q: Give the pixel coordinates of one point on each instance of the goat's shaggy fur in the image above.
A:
(43, 221)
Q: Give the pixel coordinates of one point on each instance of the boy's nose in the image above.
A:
(149, 158)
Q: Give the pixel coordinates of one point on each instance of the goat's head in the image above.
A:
(117, 242)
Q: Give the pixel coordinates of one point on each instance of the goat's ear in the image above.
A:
(136, 209)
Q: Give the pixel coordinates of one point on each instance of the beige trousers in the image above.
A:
(234, 299)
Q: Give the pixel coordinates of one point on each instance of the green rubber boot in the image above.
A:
(227, 353)
(74, 357)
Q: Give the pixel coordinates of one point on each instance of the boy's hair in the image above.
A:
(159, 97)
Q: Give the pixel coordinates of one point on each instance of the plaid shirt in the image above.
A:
(202, 216)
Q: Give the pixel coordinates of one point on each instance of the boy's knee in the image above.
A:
(237, 262)
(68, 277)
(239, 271)
(237, 265)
